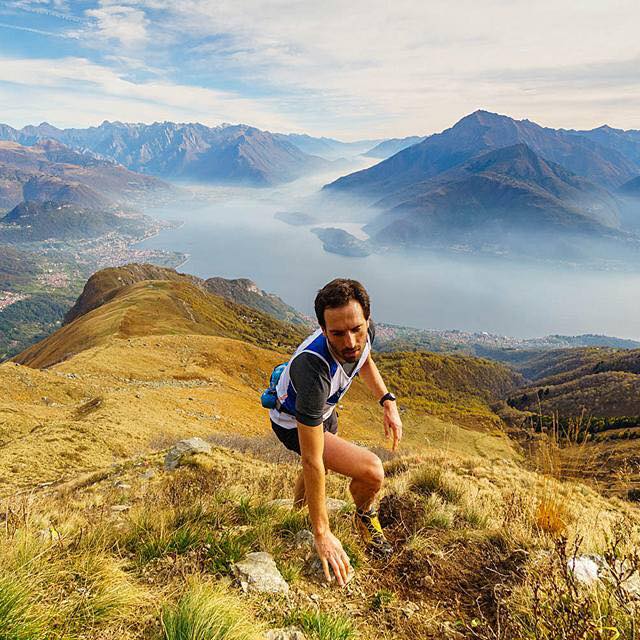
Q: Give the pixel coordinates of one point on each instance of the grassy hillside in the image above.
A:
(480, 551)
(163, 358)
(99, 541)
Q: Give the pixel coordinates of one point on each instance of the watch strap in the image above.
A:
(385, 397)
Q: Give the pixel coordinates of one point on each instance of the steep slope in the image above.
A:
(246, 292)
(49, 169)
(625, 142)
(34, 221)
(237, 154)
(631, 188)
(507, 190)
(480, 132)
(150, 307)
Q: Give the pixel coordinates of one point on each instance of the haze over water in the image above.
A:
(232, 232)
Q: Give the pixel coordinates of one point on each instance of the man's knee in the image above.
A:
(373, 472)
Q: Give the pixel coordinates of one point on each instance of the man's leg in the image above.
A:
(299, 496)
(361, 465)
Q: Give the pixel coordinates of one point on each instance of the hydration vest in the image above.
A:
(284, 412)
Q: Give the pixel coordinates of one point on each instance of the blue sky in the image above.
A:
(361, 69)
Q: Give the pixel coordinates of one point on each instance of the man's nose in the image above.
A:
(351, 341)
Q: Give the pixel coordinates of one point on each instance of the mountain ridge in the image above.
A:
(483, 131)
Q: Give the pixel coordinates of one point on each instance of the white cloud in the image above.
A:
(411, 66)
(368, 67)
(77, 92)
(125, 25)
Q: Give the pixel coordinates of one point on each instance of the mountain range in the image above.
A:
(225, 154)
(483, 131)
(489, 179)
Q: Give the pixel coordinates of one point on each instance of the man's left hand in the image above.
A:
(392, 423)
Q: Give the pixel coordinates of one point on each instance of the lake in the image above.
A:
(232, 232)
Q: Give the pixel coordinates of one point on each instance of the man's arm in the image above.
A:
(328, 546)
(372, 378)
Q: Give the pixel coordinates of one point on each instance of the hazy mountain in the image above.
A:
(51, 170)
(33, 221)
(631, 188)
(387, 148)
(479, 132)
(626, 142)
(508, 190)
(235, 154)
(327, 148)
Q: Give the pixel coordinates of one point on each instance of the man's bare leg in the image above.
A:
(361, 465)
(299, 495)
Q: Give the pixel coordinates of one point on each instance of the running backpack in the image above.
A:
(269, 397)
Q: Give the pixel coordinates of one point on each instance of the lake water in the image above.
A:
(232, 232)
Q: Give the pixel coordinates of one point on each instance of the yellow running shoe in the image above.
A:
(370, 529)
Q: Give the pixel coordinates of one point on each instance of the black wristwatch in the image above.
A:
(385, 397)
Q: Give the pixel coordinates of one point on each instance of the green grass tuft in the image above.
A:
(206, 612)
(321, 625)
(17, 621)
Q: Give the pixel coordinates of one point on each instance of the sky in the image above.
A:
(349, 70)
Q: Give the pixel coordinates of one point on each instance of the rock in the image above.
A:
(119, 508)
(333, 504)
(304, 538)
(288, 633)
(185, 448)
(123, 486)
(317, 572)
(148, 474)
(284, 503)
(584, 568)
(591, 569)
(258, 572)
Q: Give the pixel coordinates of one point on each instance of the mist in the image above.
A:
(238, 232)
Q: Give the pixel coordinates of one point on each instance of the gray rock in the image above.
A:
(258, 572)
(304, 539)
(288, 633)
(120, 507)
(333, 504)
(185, 448)
(317, 572)
(148, 474)
(284, 503)
(591, 569)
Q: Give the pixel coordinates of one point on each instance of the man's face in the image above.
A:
(346, 331)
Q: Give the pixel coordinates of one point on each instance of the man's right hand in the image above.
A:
(332, 554)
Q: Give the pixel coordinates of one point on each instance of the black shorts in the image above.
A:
(289, 437)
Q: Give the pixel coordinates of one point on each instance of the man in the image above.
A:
(319, 373)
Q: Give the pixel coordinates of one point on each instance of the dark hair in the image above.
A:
(337, 293)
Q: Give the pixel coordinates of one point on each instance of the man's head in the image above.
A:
(342, 308)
